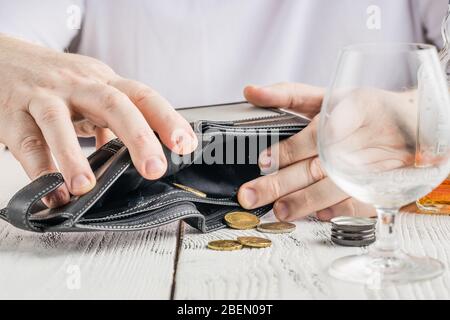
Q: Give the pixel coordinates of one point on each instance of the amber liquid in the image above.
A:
(438, 201)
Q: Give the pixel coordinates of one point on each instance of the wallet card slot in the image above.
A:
(159, 202)
(150, 219)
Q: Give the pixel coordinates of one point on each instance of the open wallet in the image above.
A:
(200, 188)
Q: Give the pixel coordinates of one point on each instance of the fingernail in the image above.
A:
(81, 184)
(281, 211)
(185, 142)
(265, 160)
(249, 198)
(55, 199)
(325, 215)
(154, 167)
(191, 142)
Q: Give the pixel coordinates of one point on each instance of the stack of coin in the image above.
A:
(353, 231)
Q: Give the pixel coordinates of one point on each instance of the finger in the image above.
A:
(174, 131)
(107, 107)
(103, 136)
(316, 197)
(267, 189)
(301, 146)
(299, 97)
(348, 207)
(84, 128)
(378, 159)
(53, 118)
(29, 147)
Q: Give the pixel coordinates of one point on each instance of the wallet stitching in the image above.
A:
(97, 195)
(138, 206)
(28, 204)
(106, 146)
(225, 129)
(25, 189)
(127, 212)
(157, 222)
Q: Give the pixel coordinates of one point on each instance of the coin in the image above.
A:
(224, 245)
(353, 243)
(276, 227)
(352, 235)
(241, 220)
(191, 190)
(352, 232)
(353, 223)
(255, 242)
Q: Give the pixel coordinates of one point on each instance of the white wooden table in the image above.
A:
(172, 262)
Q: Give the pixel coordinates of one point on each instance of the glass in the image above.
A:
(438, 201)
(383, 138)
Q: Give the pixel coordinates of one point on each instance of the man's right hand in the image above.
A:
(48, 98)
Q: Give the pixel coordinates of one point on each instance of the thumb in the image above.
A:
(298, 97)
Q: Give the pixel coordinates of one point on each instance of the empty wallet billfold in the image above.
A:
(200, 188)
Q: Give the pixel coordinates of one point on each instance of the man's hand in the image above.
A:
(47, 99)
(301, 186)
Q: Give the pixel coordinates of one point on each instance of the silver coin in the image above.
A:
(353, 223)
(353, 243)
(352, 236)
(352, 231)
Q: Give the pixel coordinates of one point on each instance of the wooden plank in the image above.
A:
(135, 265)
(296, 265)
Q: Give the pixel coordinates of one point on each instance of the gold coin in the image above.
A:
(276, 227)
(241, 220)
(255, 242)
(224, 245)
(191, 190)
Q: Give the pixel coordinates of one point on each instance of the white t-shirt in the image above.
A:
(205, 51)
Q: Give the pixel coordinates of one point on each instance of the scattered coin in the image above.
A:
(276, 227)
(255, 242)
(224, 245)
(241, 220)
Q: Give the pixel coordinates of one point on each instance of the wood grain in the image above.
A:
(135, 265)
(295, 267)
(141, 264)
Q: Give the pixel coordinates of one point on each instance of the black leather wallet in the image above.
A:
(199, 188)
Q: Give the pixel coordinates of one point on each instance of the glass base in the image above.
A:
(377, 269)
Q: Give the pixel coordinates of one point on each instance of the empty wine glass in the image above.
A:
(384, 138)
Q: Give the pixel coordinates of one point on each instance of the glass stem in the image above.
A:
(386, 233)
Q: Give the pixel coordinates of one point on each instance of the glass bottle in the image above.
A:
(438, 201)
